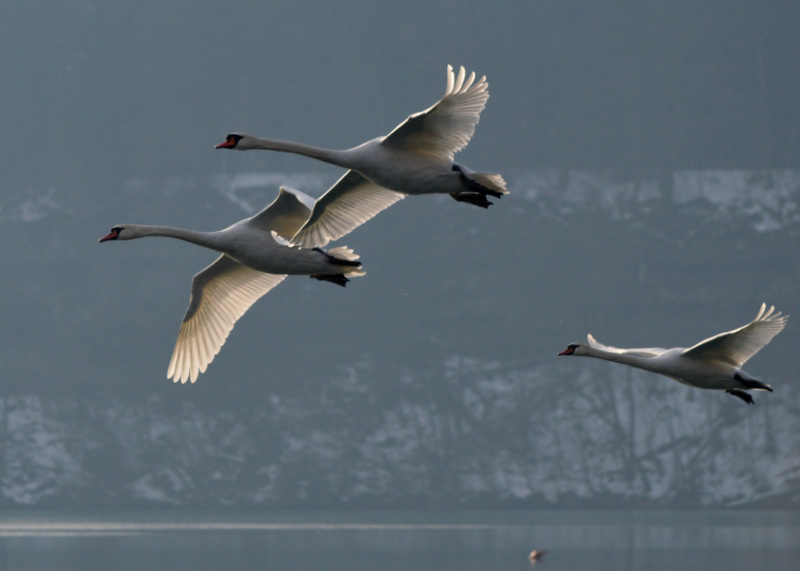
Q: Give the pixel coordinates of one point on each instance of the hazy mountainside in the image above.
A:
(470, 434)
(433, 378)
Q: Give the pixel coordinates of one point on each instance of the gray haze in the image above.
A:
(652, 152)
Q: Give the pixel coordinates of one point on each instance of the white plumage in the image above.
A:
(255, 258)
(714, 363)
(415, 158)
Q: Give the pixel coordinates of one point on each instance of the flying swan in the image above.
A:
(715, 363)
(256, 257)
(415, 158)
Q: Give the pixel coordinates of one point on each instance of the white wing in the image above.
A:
(221, 294)
(345, 206)
(737, 346)
(447, 127)
(286, 214)
(641, 352)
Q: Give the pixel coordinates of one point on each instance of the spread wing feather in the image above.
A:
(345, 206)
(738, 346)
(286, 214)
(221, 294)
(446, 127)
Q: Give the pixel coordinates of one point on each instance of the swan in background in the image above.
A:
(255, 258)
(415, 158)
(715, 363)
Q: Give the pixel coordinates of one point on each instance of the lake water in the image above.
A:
(418, 541)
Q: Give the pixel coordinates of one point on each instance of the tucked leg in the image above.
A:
(337, 279)
(476, 198)
(740, 394)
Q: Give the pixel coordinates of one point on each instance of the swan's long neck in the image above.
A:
(332, 156)
(629, 359)
(206, 239)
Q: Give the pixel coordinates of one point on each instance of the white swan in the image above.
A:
(415, 158)
(255, 258)
(714, 363)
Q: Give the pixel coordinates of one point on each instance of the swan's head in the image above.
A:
(236, 141)
(121, 232)
(576, 349)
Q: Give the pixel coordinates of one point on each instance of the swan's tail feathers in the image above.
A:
(752, 384)
(480, 186)
(344, 256)
(740, 394)
(491, 184)
(485, 183)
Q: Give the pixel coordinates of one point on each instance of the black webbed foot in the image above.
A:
(476, 198)
(740, 394)
(337, 279)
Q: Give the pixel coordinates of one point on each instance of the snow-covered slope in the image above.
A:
(487, 435)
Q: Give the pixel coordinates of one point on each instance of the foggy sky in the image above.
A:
(98, 92)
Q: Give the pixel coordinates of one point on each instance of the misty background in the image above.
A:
(652, 152)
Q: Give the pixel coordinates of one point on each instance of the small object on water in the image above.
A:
(536, 555)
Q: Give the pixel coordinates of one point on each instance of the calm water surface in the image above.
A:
(416, 541)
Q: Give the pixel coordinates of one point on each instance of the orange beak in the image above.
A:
(113, 235)
(226, 144)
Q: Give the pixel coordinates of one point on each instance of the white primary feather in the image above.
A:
(345, 206)
(221, 294)
(736, 347)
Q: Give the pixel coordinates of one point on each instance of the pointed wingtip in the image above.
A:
(450, 80)
(460, 79)
(770, 314)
